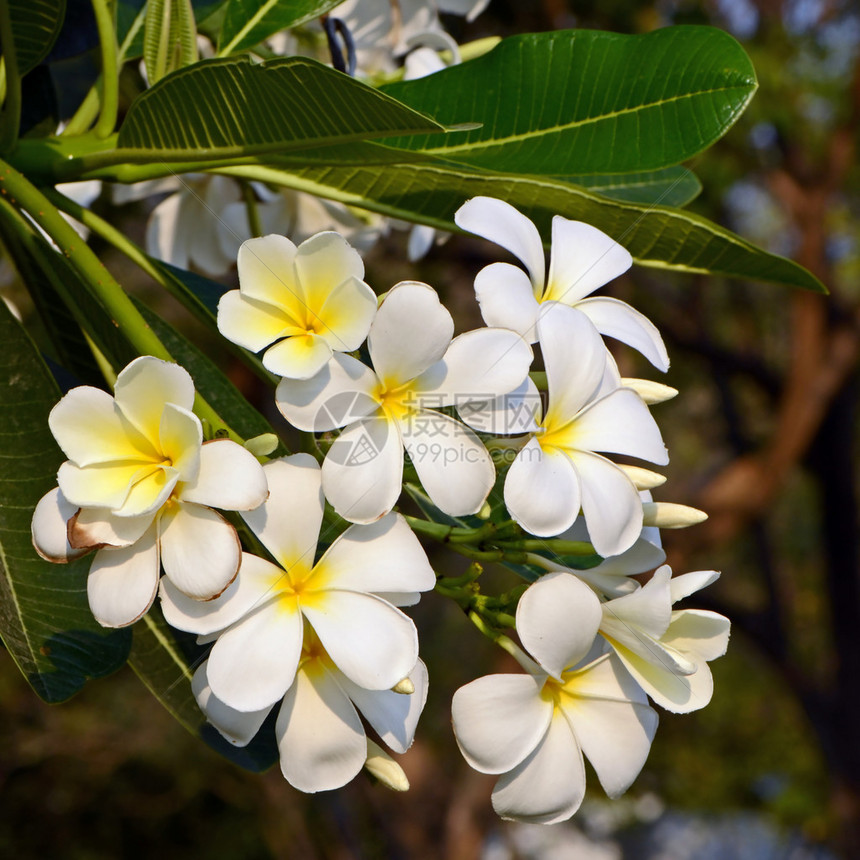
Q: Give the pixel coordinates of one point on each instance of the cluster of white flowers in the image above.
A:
(316, 627)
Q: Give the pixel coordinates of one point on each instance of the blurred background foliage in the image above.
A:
(763, 436)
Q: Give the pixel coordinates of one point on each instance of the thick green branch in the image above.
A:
(110, 68)
(10, 120)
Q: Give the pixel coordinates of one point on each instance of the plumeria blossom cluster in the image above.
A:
(305, 620)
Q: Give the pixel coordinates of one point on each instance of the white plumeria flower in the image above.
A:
(308, 301)
(321, 739)
(534, 728)
(139, 486)
(347, 597)
(557, 471)
(583, 259)
(418, 369)
(667, 651)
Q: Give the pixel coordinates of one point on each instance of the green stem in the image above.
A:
(11, 118)
(250, 199)
(86, 113)
(100, 283)
(559, 547)
(110, 68)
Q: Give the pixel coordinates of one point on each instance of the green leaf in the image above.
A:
(248, 22)
(656, 236)
(165, 659)
(130, 16)
(582, 101)
(169, 37)
(35, 25)
(233, 108)
(672, 186)
(45, 621)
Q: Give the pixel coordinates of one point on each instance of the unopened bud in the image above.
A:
(406, 687)
(486, 511)
(651, 392)
(643, 479)
(380, 765)
(666, 515)
(263, 445)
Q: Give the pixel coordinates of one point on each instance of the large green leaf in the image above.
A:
(247, 22)
(655, 236)
(232, 108)
(582, 101)
(45, 621)
(169, 37)
(671, 186)
(35, 26)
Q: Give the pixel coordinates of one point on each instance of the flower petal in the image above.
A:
(49, 528)
(347, 315)
(617, 319)
(557, 621)
(515, 413)
(344, 391)
(610, 502)
(122, 582)
(323, 262)
(501, 223)
(251, 323)
(507, 299)
(698, 632)
(549, 785)
(678, 693)
(371, 642)
(499, 720)
(238, 727)
(180, 436)
(393, 716)
(411, 331)
(384, 556)
(542, 490)
(689, 583)
(254, 663)
(145, 386)
(230, 478)
(575, 358)
(200, 550)
(150, 489)
(615, 735)
(298, 357)
(455, 468)
(96, 527)
(266, 273)
(363, 470)
(478, 365)
(583, 259)
(252, 588)
(105, 485)
(320, 736)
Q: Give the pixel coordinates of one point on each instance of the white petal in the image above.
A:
(346, 316)
(288, 524)
(615, 736)
(698, 632)
(648, 611)
(507, 299)
(252, 323)
(689, 583)
(253, 587)
(320, 736)
(549, 785)
(238, 727)
(253, 663)
(542, 490)
(454, 467)
(266, 273)
(323, 262)
(501, 223)
(48, 529)
(97, 527)
(122, 582)
(145, 386)
(515, 413)
(345, 390)
(583, 259)
(298, 357)
(411, 331)
(128, 490)
(617, 319)
(180, 436)
(363, 470)
(610, 503)
(499, 720)
(620, 423)
(200, 550)
(557, 621)
(90, 429)
(167, 231)
(230, 478)
(479, 365)
(420, 236)
(575, 359)
(393, 716)
(371, 642)
(384, 556)
(148, 492)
